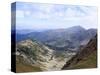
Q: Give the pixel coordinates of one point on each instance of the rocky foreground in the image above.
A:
(32, 56)
(35, 56)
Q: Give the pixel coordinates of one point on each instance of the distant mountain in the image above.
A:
(24, 31)
(91, 32)
(85, 58)
(61, 39)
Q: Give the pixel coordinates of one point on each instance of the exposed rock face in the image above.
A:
(36, 54)
(85, 58)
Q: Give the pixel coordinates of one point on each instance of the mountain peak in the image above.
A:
(77, 27)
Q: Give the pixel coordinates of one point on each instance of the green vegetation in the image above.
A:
(21, 66)
(86, 58)
(87, 62)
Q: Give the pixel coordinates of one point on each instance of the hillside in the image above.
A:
(35, 56)
(86, 58)
(41, 51)
(29, 54)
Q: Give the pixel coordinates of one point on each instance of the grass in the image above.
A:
(20, 67)
(87, 62)
(23, 67)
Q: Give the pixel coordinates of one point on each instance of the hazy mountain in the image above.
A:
(24, 31)
(61, 39)
(85, 58)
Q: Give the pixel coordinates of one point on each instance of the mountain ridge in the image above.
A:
(81, 59)
(70, 37)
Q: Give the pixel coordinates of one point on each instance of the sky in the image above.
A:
(54, 16)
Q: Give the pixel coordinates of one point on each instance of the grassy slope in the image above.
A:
(88, 62)
(86, 58)
(23, 67)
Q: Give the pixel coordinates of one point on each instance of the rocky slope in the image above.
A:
(35, 56)
(85, 58)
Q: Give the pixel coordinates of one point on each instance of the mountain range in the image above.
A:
(74, 47)
(61, 39)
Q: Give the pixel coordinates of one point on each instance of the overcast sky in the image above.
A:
(53, 16)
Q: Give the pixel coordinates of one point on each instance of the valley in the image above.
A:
(36, 54)
(50, 50)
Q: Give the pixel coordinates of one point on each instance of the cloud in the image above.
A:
(54, 15)
(20, 13)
